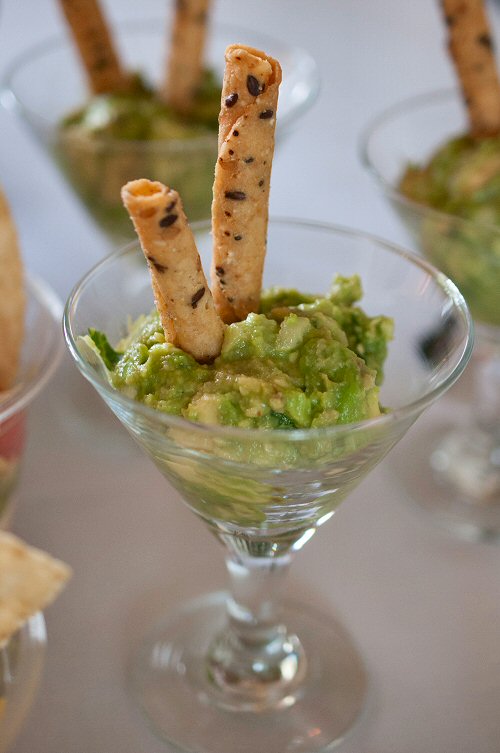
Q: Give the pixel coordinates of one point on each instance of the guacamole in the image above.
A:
(118, 136)
(302, 362)
(462, 180)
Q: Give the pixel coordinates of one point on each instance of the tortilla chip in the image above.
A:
(12, 298)
(30, 580)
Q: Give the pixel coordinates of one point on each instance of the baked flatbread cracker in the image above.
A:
(30, 580)
(186, 54)
(242, 180)
(182, 296)
(12, 298)
(471, 46)
(95, 45)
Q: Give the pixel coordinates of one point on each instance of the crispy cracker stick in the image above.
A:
(185, 61)
(93, 39)
(12, 298)
(181, 292)
(242, 179)
(471, 47)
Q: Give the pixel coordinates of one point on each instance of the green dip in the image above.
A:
(303, 361)
(115, 138)
(462, 179)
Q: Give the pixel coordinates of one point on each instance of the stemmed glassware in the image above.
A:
(21, 659)
(40, 355)
(465, 459)
(97, 167)
(247, 670)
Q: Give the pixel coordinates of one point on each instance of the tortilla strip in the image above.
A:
(30, 580)
(472, 48)
(242, 180)
(12, 298)
(186, 56)
(95, 45)
(182, 295)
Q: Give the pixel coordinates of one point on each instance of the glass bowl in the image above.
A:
(465, 460)
(21, 661)
(244, 665)
(40, 355)
(97, 168)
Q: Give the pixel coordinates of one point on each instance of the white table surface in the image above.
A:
(423, 607)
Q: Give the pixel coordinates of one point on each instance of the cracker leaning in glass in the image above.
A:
(437, 159)
(264, 408)
(30, 348)
(30, 580)
(139, 99)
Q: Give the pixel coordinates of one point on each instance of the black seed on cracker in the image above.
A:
(219, 271)
(266, 114)
(235, 195)
(485, 40)
(171, 206)
(168, 220)
(231, 151)
(161, 268)
(197, 296)
(248, 160)
(236, 133)
(253, 86)
(238, 237)
(261, 183)
(231, 99)
(228, 214)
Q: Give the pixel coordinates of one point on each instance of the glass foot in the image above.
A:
(172, 682)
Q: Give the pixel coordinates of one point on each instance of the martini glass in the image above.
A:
(245, 666)
(465, 458)
(40, 355)
(97, 167)
(21, 661)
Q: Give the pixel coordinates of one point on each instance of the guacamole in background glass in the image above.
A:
(115, 138)
(462, 180)
(302, 362)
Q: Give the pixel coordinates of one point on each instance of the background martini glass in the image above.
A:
(465, 458)
(98, 167)
(245, 669)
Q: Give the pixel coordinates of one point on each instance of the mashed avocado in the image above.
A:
(301, 362)
(463, 179)
(116, 137)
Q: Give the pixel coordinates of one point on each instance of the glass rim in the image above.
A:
(10, 100)
(227, 432)
(429, 98)
(16, 398)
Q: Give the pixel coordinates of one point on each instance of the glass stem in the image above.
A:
(468, 458)
(255, 663)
